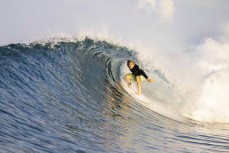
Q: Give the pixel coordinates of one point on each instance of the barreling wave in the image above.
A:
(80, 69)
(56, 93)
(48, 87)
(65, 71)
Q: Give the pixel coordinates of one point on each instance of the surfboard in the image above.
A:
(132, 89)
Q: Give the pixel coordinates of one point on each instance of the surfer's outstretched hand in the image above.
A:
(150, 80)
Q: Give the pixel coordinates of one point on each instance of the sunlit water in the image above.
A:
(68, 96)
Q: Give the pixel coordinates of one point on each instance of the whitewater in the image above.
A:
(62, 86)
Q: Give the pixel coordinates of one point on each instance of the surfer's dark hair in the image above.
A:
(128, 61)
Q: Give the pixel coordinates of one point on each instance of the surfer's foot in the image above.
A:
(138, 93)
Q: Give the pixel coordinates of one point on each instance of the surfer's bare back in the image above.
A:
(137, 75)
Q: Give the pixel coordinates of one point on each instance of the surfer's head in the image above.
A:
(130, 64)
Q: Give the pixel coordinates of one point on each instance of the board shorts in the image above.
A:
(133, 77)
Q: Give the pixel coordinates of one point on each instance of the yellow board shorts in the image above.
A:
(133, 78)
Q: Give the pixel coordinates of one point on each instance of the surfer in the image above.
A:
(137, 75)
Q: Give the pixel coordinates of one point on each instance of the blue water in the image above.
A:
(66, 97)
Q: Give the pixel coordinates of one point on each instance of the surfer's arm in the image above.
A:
(143, 73)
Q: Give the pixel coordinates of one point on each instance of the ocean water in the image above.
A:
(67, 96)
(62, 68)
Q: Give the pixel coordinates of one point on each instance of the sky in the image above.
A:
(153, 23)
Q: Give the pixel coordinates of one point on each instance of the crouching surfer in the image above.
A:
(137, 75)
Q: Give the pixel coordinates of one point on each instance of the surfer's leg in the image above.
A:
(128, 78)
(138, 79)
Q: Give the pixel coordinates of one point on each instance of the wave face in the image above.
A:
(69, 96)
